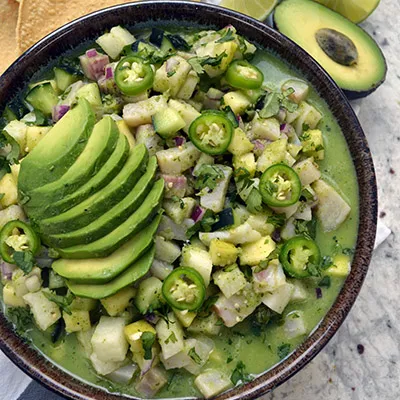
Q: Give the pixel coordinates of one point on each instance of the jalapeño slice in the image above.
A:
(280, 186)
(211, 132)
(17, 236)
(184, 289)
(133, 75)
(298, 255)
(243, 75)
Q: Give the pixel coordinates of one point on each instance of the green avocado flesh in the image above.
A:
(110, 242)
(113, 217)
(90, 209)
(102, 270)
(301, 20)
(132, 274)
(57, 151)
(109, 170)
(99, 147)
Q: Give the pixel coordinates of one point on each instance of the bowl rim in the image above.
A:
(61, 382)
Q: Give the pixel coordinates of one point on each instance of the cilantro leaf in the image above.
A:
(227, 37)
(198, 63)
(204, 225)
(21, 318)
(194, 356)
(325, 282)
(239, 374)
(283, 350)
(148, 339)
(254, 201)
(271, 106)
(171, 338)
(63, 302)
(208, 176)
(286, 103)
(278, 220)
(24, 260)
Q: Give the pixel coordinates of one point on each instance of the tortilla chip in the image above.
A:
(8, 21)
(37, 18)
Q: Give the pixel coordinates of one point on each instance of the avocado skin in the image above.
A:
(87, 211)
(52, 157)
(106, 174)
(109, 220)
(136, 271)
(351, 94)
(102, 270)
(57, 190)
(116, 238)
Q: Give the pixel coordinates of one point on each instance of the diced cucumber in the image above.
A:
(114, 41)
(166, 250)
(149, 296)
(64, 78)
(186, 111)
(185, 317)
(279, 298)
(167, 122)
(43, 98)
(308, 171)
(212, 382)
(240, 144)
(91, 93)
(246, 161)
(140, 113)
(274, 153)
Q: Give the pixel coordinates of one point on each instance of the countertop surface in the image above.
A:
(362, 361)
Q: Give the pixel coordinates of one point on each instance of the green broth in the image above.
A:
(258, 352)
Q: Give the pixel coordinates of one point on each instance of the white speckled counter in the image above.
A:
(362, 362)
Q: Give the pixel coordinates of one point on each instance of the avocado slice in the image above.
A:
(113, 217)
(116, 238)
(99, 147)
(131, 275)
(57, 151)
(102, 270)
(106, 174)
(303, 21)
(90, 209)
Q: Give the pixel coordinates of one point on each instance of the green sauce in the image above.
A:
(259, 351)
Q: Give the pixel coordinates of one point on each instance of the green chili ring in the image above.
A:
(243, 75)
(133, 75)
(184, 289)
(211, 132)
(296, 254)
(280, 186)
(33, 239)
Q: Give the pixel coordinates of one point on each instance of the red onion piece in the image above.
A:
(259, 145)
(93, 68)
(59, 111)
(198, 213)
(109, 73)
(91, 53)
(318, 293)
(152, 318)
(179, 140)
(7, 270)
(175, 181)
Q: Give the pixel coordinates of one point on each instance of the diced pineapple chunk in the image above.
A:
(211, 382)
(246, 161)
(140, 113)
(260, 224)
(254, 253)
(341, 266)
(166, 250)
(230, 280)
(223, 253)
(185, 317)
(8, 187)
(332, 210)
(178, 159)
(198, 259)
(188, 88)
(240, 144)
(274, 153)
(119, 301)
(134, 332)
(313, 144)
(34, 135)
(10, 298)
(237, 101)
(17, 130)
(77, 321)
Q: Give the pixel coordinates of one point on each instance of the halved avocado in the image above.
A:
(107, 244)
(131, 275)
(113, 217)
(93, 207)
(57, 151)
(106, 174)
(102, 270)
(100, 145)
(306, 21)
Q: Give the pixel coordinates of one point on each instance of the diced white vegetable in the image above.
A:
(186, 111)
(124, 374)
(140, 113)
(237, 101)
(160, 269)
(152, 382)
(166, 250)
(264, 129)
(289, 230)
(241, 234)
(199, 351)
(108, 340)
(308, 115)
(33, 283)
(237, 307)
(171, 230)
(175, 185)
(215, 199)
(299, 291)
(118, 302)
(230, 280)
(179, 210)
(84, 339)
(279, 298)
(78, 320)
(288, 211)
(274, 153)
(294, 325)
(308, 171)
(260, 224)
(104, 367)
(198, 259)
(300, 88)
(304, 212)
(269, 279)
(255, 252)
(209, 325)
(45, 312)
(188, 88)
(178, 159)
(332, 210)
(170, 336)
(17, 130)
(211, 382)
(10, 298)
(147, 135)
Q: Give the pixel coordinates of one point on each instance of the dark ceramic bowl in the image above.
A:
(150, 14)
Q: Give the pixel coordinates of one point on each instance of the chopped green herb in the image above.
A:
(271, 106)
(283, 350)
(148, 339)
(177, 199)
(208, 176)
(171, 338)
(198, 63)
(254, 201)
(204, 225)
(227, 37)
(239, 374)
(278, 220)
(63, 302)
(171, 73)
(194, 356)
(325, 282)
(326, 262)
(348, 252)
(21, 318)
(24, 260)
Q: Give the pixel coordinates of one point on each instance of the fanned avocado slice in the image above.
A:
(99, 147)
(327, 37)
(109, 170)
(90, 209)
(102, 270)
(113, 217)
(116, 238)
(57, 151)
(131, 275)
